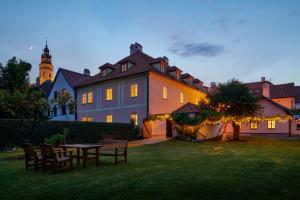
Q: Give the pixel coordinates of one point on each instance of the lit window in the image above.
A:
(103, 72)
(181, 97)
(90, 97)
(109, 94)
(134, 90)
(63, 92)
(109, 118)
(253, 125)
(83, 119)
(90, 119)
(165, 92)
(239, 124)
(271, 124)
(134, 117)
(124, 67)
(83, 98)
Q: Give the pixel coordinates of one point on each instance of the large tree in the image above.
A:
(234, 102)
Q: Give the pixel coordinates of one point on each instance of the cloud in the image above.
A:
(242, 21)
(203, 49)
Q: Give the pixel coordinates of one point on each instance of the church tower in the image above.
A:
(46, 67)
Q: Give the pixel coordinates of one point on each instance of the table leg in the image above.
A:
(84, 151)
(65, 154)
(97, 156)
(78, 156)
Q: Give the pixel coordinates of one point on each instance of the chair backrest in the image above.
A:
(112, 144)
(29, 151)
(47, 151)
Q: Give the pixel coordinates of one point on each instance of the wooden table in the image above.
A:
(84, 148)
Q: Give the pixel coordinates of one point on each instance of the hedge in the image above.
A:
(79, 132)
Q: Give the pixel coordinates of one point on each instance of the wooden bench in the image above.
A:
(113, 148)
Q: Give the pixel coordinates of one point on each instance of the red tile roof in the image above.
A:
(142, 63)
(73, 78)
(188, 108)
(282, 91)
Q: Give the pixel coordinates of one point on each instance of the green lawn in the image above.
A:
(253, 169)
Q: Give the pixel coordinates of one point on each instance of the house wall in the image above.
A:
(121, 106)
(159, 105)
(59, 84)
(287, 102)
(268, 110)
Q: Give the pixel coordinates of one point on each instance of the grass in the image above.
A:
(254, 169)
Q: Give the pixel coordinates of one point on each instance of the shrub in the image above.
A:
(56, 140)
(79, 132)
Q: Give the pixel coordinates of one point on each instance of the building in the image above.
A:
(136, 87)
(276, 102)
(65, 81)
(46, 67)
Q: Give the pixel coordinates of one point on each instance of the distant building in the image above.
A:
(136, 87)
(65, 81)
(46, 67)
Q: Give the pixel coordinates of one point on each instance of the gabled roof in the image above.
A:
(142, 64)
(173, 68)
(188, 108)
(287, 110)
(282, 91)
(186, 75)
(73, 78)
(106, 65)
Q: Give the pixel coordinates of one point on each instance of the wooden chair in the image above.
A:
(114, 148)
(33, 157)
(56, 158)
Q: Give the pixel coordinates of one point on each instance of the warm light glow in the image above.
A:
(134, 117)
(124, 67)
(271, 124)
(90, 97)
(181, 97)
(134, 90)
(83, 119)
(165, 92)
(109, 93)
(90, 119)
(109, 118)
(83, 98)
(253, 125)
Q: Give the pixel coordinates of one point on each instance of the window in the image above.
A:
(239, 124)
(71, 109)
(90, 119)
(271, 124)
(134, 90)
(55, 95)
(124, 67)
(253, 125)
(109, 94)
(83, 98)
(134, 117)
(165, 92)
(55, 111)
(83, 119)
(103, 72)
(181, 97)
(63, 92)
(109, 118)
(162, 68)
(90, 97)
(64, 110)
(298, 127)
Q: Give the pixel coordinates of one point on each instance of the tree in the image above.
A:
(234, 102)
(15, 75)
(65, 100)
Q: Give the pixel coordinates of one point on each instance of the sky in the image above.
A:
(213, 40)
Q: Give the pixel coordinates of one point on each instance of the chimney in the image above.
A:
(166, 59)
(86, 72)
(263, 79)
(135, 47)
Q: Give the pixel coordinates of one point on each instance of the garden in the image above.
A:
(253, 168)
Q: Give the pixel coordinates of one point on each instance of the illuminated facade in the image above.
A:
(46, 67)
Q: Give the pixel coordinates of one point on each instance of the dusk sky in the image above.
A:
(212, 40)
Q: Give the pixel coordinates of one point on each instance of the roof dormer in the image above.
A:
(106, 69)
(187, 78)
(161, 64)
(198, 84)
(126, 65)
(174, 72)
